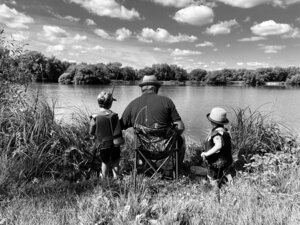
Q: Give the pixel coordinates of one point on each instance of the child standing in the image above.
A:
(218, 147)
(107, 134)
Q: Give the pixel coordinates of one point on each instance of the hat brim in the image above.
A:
(155, 83)
(217, 122)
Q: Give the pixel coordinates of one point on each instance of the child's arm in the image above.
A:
(217, 146)
(92, 128)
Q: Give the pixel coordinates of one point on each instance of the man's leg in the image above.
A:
(181, 149)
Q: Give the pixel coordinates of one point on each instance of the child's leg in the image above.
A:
(115, 160)
(229, 179)
(105, 155)
(104, 169)
(214, 181)
(115, 169)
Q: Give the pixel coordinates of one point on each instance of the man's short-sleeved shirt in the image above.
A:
(150, 109)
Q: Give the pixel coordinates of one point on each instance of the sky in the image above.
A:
(206, 34)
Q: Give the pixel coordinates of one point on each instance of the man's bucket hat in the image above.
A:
(217, 115)
(150, 80)
(105, 98)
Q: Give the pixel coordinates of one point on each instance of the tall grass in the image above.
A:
(32, 151)
(158, 202)
(32, 142)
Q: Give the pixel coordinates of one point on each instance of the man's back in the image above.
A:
(151, 110)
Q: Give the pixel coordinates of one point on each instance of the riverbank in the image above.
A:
(201, 83)
(44, 166)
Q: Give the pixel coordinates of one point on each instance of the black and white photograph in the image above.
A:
(149, 112)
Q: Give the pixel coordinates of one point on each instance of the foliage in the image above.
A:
(294, 80)
(255, 133)
(198, 74)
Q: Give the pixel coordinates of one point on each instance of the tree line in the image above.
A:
(39, 68)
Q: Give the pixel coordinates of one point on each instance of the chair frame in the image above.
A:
(173, 155)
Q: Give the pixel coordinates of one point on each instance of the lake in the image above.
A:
(192, 102)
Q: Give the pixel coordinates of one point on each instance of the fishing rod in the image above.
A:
(114, 85)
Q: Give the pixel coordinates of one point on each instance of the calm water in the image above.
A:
(193, 103)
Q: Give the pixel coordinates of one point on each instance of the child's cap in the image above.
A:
(105, 98)
(218, 115)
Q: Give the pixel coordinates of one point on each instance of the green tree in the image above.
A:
(128, 73)
(197, 74)
(114, 71)
(180, 74)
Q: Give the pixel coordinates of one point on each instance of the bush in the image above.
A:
(253, 133)
(66, 78)
(294, 80)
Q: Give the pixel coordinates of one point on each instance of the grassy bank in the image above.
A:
(185, 202)
(44, 165)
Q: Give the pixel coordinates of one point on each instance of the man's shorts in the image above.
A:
(110, 154)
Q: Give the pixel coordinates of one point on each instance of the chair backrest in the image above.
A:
(156, 141)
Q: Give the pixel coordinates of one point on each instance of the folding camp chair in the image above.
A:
(157, 148)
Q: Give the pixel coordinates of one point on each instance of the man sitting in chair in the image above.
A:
(154, 111)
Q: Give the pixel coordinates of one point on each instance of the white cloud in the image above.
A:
(55, 48)
(76, 47)
(253, 3)
(205, 44)
(180, 52)
(294, 33)
(102, 33)
(14, 19)
(175, 3)
(98, 48)
(245, 3)
(122, 34)
(109, 8)
(195, 15)
(54, 32)
(270, 27)
(240, 63)
(162, 35)
(79, 37)
(90, 22)
(271, 49)
(157, 49)
(257, 64)
(20, 36)
(247, 19)
(285, 3)
(221, 27)
(72, 19)
(251, 39)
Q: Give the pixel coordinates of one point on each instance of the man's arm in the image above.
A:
(180, 126)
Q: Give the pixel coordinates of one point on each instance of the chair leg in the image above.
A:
(176, 164)
(135, 169)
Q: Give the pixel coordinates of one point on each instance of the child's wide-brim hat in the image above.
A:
(150, 80)
(218, 115)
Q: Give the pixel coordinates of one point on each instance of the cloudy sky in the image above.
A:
(207, 34)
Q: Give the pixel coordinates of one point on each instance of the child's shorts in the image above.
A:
(110, 154)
